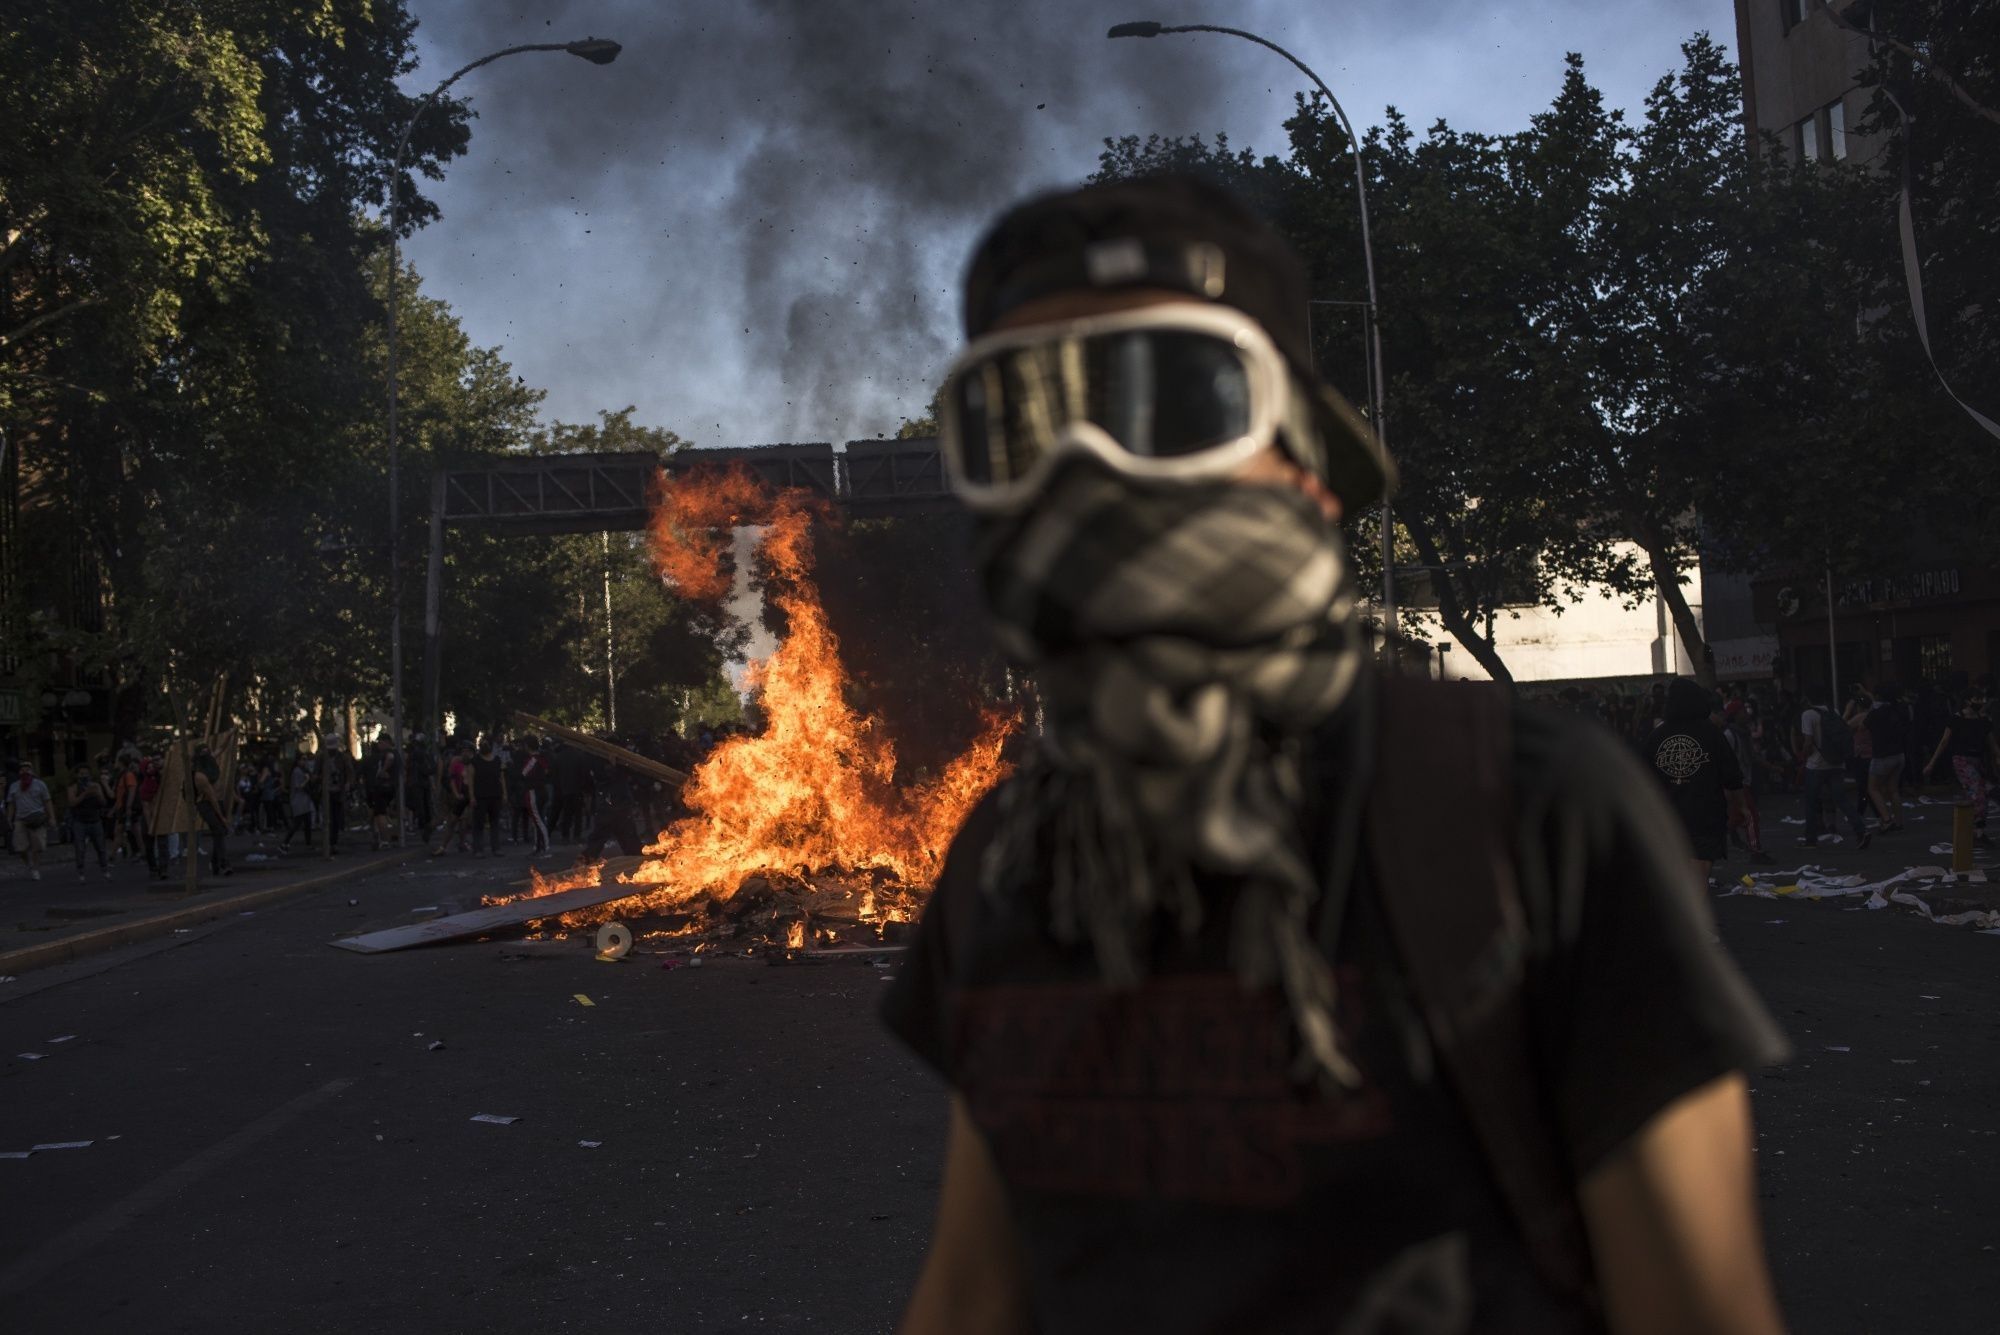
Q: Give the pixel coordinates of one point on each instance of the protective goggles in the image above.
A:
(1174, 392)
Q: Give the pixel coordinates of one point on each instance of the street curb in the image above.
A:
(68, 948)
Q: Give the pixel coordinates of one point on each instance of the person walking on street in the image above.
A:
(1855, 716)
(126, 829)
(1828, 746)
(1968, 739)
(534, 774)
(1233, 1038)
(423, 778)
(1703, 777)
(458, 799)
(1737, 735)
(1889, 732)
(336, 776)
(489, 797)
(87, 804)
(29, 810)
(210, 803)
(614, 818)
(300, 785)
(381, 787)
(150, 771)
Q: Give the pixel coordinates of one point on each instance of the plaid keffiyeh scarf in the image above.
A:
(1185, 640)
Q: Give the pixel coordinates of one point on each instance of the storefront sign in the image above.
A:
(1915, 587)
(1754, 657)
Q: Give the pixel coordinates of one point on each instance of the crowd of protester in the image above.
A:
(476, 792)
(1846, 767)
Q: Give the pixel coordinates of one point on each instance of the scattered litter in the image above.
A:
(590, 1144)
(182, 931)
(15, 1154)
(582, 1000)
(695, 963)
(496, 1119)
(1791, 820)
(1925, 996)
(31, 1056)
(352, 902)
(247, 913)
(6, 978)
(1774, 922)
(1904, 1061)
(428, 908)
(1831, 1047)
(671, 963)
(258, 857)
(64, 1039)
(65, 1145)
(436, 1043)
(614, 941)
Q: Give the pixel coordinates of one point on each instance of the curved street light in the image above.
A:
(596, 50)
(1376, 395)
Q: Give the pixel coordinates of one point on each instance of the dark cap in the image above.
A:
(1180, 234)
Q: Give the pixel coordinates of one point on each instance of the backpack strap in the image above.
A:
(1454, 909)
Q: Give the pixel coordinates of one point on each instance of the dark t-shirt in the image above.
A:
(1969, 734)
(1167, 1173)
(1888, 730)
(1698, 765)
(89, 804)
(486, 774)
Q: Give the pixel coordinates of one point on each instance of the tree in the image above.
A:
(191, 299)
(1457, 248)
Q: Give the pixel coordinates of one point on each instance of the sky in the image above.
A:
(752, 226)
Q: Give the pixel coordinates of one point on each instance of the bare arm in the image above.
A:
(972, 1281)
(1943, 742)
(1673, 1223)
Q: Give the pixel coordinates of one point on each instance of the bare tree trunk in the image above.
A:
(1667, 578)
(1450, 611)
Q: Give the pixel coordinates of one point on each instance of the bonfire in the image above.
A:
(806, 830)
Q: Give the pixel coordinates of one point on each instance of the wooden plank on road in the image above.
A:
(489, 919)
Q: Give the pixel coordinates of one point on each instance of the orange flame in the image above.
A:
(817, 790)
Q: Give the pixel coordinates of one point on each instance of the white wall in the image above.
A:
(1597, 637)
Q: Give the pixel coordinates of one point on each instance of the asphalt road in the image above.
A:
(277, 1147)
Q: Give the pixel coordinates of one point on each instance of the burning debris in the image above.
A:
(806, 833)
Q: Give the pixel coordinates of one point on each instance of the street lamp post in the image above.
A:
(1377, 398)
(598, 52)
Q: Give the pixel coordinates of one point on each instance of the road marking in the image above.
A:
(98, 1229)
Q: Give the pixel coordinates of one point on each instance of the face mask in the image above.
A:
(1184, 637)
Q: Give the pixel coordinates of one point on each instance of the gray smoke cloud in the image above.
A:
(753, 225)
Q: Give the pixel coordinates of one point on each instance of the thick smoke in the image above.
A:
(753, 224)
(794, 183)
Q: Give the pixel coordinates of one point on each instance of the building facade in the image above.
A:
(1932, 618)
(1800, 69)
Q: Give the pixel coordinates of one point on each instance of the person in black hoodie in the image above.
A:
(1699, 767)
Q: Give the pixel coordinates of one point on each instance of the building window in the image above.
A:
(1808, 139)
(1791, 13)
(1836, 129)
(1934, 657)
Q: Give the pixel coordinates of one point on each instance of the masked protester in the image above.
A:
(1240, 1034)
